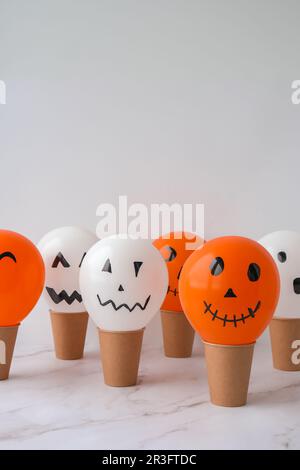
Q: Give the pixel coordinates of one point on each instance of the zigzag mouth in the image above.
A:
(233, 320)
(63, 296)
(130, 309)
(172, 291)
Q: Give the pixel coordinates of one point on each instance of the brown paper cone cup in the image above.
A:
(120, 353)
(69, 331)
(178, 335)
(8, 335)
(285, 341)
(228, 370)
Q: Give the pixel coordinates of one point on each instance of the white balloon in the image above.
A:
(123, 283)
(284, 246)
(63, 250)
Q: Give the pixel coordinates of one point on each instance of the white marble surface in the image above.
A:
(52, 404)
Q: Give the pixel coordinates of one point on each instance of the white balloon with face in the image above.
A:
(284, 246)
(63, 251)
(123, 283)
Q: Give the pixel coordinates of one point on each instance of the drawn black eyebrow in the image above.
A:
(60, 259)
(84, 255)
(137, 267)
(8, 254)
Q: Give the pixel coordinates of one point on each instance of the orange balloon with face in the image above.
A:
(175, 248)
(22, 276)
(229, 290)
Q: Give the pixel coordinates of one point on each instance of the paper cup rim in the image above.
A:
(67, 313)
(118, 331)
(172, 311)
(10, 326)
(229, 345)
(285, 318)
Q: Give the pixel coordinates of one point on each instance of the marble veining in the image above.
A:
(52, 404)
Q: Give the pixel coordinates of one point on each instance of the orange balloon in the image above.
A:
(229, 290)
(22, 275)
(175, 249)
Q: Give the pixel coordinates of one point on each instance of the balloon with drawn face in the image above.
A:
(284, 247)
(22, 276)
(175, 248)
(229, 290)
(123, 283)
(63, 251)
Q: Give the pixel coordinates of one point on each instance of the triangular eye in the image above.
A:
(84, 255)
(107, 266)
(60, 259)
(137, 267)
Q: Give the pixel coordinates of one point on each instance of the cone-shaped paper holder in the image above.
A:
(178, 335)
(285, 341)
(120, 354)
(69, 332)
(228, 369)
(8, 335)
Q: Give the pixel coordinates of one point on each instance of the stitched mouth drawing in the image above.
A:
(63, 296)
(130, 309)
(235, 320)
(174, 292)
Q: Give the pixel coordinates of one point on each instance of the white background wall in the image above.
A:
(162, 100)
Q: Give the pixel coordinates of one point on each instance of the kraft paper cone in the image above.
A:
(120, 353)
(69, 331)
(178, 335)
(228, 370)
(285, 341)
(8, 335)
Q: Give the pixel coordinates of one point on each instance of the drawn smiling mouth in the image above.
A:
(63, 296)
(174, 292)
(130, 309)
(235, 320)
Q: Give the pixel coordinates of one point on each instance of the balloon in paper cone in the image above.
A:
(229, 290)
(175, 248)
(21, 277)
(63, 250)
(178, 335)
(284, 247)
(123, 283)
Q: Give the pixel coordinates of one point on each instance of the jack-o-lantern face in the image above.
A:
(123, 283)
(22, 276)
(229, 290)
(63, 251)
(175, 248)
